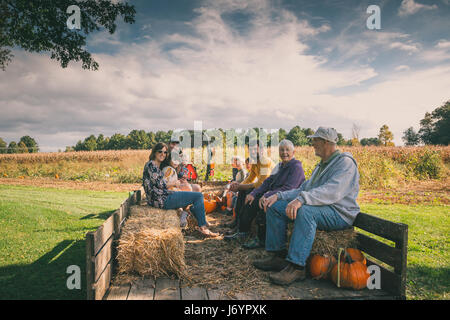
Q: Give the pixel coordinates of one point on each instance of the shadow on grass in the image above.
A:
(102, 215)
(46, 277)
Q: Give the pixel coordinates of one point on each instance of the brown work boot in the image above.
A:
(276, 262)
(288, 275)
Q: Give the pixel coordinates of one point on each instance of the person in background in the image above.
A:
(261, 167)
(210, 162)
(159, 196)
(239, 175)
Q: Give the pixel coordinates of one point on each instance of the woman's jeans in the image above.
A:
(309, 218)
(181, 199)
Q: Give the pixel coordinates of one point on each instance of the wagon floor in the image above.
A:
(169, 289)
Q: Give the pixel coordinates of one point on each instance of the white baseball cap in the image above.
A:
(329, 134)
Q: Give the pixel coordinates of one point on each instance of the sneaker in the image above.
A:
(288, 275)
(239, 236)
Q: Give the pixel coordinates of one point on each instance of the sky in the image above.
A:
(239, 64)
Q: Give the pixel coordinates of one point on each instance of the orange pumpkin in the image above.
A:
(320, 266)
(356, 255)
(349, 273)
(209, 202)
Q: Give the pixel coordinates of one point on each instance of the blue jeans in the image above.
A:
(181, 199)
(309, 218)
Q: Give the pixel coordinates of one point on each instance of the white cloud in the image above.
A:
(443, 44)
(409, 7)
(409, 47)
(265, 78)
(402, 68)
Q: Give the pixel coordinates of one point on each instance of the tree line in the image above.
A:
(140, 139)
(26, 144)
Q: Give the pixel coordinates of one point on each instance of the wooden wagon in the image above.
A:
(391, 261)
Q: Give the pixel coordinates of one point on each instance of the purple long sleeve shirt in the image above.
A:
(288, 176)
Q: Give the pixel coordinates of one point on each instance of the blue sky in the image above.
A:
(239, 64)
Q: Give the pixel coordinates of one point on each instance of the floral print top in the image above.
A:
(154, 185)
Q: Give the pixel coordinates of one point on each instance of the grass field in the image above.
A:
(42, 232)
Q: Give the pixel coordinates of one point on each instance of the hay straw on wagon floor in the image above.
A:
(214, 263)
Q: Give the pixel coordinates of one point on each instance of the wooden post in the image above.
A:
(402, 245)
(90, 270)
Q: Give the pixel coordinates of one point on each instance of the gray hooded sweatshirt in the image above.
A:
(337, 186)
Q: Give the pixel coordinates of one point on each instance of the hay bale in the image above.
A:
(151, 243)
(329, 242)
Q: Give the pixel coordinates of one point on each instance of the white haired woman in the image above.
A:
(288, 174)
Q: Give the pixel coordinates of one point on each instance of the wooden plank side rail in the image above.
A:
(100, 249)
(392, 282)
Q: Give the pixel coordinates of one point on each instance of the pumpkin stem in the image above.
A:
(339, 268)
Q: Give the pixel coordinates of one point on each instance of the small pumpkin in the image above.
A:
(348, 273)
(356, 255)
(320, 266)
(210, 203)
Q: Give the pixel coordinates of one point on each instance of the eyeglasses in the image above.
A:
(160, 151)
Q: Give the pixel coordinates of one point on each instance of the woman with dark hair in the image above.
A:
(159, 196)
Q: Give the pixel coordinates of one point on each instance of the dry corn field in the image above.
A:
(380, 167)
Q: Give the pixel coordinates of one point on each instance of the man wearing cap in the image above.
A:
(327, 201)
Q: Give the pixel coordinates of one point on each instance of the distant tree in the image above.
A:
(79, 146)
(138, 139)
(297, 136)
(13, 148)
(441, 117)
(386, 136)
(282, 134)
(341, 140)
(22, 147)
(370, 142)
(41, 26)
(102, 142)
(426, 129)
(411, 137)
(151, 139)
(117, 142)
(3, 146)
(162, 136)
(435, 126)
(30, 143)
(90, 143)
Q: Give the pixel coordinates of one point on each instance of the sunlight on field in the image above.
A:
(379, 167)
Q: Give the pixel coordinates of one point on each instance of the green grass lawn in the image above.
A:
(428, 273)
(42, 233)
